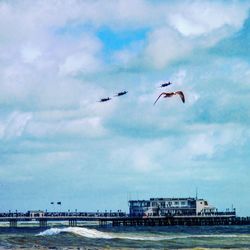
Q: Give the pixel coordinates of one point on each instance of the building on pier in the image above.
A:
(170, 206)
(35, 213)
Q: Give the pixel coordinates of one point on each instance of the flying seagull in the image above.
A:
(105, 99)
(121, 93)
(170, 94)
(166, 84)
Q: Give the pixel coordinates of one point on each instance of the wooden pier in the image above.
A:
(122, 219)
(42, 219)
(176, 221)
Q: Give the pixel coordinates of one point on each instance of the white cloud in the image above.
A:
(165, 45)
(124, 57)
(79, 63)
(37, 63)
(33, 30)
(15, 125)
(29, 54)
(201, 17)
(179, 77)
(201, 145)
(182, 155)
(240, 71)
(211, 140)
(191, 26)
(46, 50)
(81, 56)
(90, 127)
(85, 127)
(139, 156)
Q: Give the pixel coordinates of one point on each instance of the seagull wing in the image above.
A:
(163, 93)
(180, 93)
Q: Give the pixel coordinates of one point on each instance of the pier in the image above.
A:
(177, 221)
(153, 212)
(123, 219)
(43, 218)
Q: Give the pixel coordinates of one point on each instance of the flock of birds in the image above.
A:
(118, 94)
(163, 94)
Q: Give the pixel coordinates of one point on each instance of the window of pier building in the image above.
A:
(169, 203)
(146, 204)
(137, 204)
(154, 204)
(162, 204)
(183, 203)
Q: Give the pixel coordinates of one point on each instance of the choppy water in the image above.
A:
(216, 237)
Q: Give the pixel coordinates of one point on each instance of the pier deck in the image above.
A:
(177, 220)
(122, 219)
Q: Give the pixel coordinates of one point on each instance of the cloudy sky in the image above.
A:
(58, 143)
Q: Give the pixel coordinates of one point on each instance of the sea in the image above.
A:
(95, 237)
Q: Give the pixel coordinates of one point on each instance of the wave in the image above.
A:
(95, 234)
(85, 232)
(92, 233)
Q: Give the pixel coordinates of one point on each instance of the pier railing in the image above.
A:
(60, 215)
(211, 214)
(97, 215)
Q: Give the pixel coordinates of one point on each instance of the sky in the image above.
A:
(58, 143)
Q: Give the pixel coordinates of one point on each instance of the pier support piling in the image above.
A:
(13, 223)
(43, 223)
(73, 223)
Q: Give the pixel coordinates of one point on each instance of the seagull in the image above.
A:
(166, 84)
(121, 93)
(105, 99)
(170, 94)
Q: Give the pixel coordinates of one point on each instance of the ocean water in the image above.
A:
(94, 237)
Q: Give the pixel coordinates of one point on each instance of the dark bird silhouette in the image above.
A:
(105, 99)
(121, 93)
(166, 84)
(170, 94)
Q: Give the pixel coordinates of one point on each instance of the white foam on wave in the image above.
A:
(95, 234)
(85, 232)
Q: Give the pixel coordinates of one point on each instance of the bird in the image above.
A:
(121, 93)
(166, 84)
(170, 94)
(105, 99)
